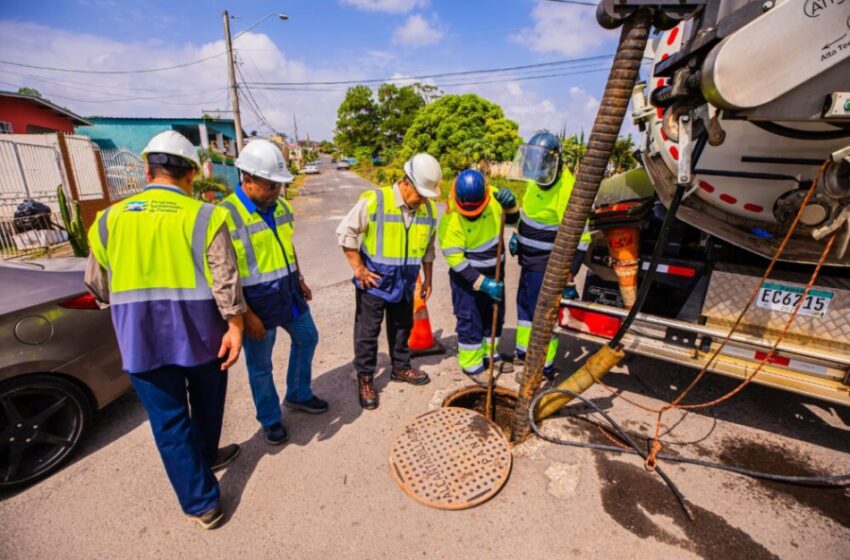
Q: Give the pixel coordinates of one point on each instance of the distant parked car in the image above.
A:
(59, 362)
(342, 165)
(311, 169)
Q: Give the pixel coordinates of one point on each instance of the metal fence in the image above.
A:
(22, 236)
(125, 172)
(84, 163)
(29, 170)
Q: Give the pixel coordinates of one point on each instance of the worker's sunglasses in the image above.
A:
(267, 185)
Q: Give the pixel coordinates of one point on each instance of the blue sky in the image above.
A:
(324, 40)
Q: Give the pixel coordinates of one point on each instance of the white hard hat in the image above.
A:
(425, 173)
(261, 158)
(175, 144)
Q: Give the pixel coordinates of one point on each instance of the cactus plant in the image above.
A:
(74, 227)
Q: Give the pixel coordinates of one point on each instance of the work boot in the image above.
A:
(410, 375)
(209, 519)
(275, 434)
(225, 456)
(368, 396)
(313, 405)
(479, 379)
(549, 374)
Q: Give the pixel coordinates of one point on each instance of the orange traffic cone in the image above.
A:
(422, 341)
(623, 246)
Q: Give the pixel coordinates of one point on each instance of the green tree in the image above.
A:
(623, 155)
(397, 107)
(428, 92)
(357, 120)
(326, 147)
(461, 131)
(32, 92)
(573, 149)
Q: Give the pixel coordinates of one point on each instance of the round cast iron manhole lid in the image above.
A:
(450, 458)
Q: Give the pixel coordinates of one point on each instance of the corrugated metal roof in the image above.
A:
(77, 119)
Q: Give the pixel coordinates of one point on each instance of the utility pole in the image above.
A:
(231, 73)
(295, 126)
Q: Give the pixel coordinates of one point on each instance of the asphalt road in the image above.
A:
(328, 493)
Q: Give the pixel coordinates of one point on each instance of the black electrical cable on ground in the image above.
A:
(837, 481)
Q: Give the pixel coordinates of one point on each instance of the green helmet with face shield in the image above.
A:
(538, 160)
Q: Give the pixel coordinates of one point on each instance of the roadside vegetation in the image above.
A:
(381, 129)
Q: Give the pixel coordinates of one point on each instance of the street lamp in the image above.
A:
(231, 69)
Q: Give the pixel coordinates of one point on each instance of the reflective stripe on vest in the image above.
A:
(201, 291)
(379, 218)
(476, 240)
(244, 233)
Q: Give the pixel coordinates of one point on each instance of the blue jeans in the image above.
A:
(185, 406)
(258, 356)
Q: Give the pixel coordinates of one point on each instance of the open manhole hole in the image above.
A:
(475, 398)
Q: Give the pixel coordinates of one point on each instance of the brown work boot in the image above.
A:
(410, 375)
(368, 396)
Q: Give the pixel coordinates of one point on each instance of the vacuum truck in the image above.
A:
(746, 105)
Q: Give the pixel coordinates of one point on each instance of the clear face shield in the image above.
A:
(535, 163)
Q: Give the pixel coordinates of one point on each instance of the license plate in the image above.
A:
(778, 297)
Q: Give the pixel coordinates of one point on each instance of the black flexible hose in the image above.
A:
(838, 481)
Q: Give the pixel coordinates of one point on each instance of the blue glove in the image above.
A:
(506, 198)
(569, 292)
(496, 290)
(513, 245)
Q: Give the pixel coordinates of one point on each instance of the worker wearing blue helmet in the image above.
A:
(544, 203)
(469, 235)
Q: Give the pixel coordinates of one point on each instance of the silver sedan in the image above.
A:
(59, 362)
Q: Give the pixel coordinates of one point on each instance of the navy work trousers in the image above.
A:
(474, 313)
(185, 406)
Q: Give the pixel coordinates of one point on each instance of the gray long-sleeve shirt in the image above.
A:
(356, 222)
(226, 288)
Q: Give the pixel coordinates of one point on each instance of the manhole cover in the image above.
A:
(451, 458)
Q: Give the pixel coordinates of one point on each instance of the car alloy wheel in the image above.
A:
(42, 418)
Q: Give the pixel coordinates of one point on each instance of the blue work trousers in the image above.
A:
(258, 356)
(474, 313)
(185, 406)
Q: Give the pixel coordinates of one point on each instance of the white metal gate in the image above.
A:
(29, 171)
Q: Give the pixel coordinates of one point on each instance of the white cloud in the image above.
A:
(183, 92)
(564, 29)
(574, 112)
(417, 32)
(387, 6)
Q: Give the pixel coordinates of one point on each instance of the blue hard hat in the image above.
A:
(546, 139)
(470, 192)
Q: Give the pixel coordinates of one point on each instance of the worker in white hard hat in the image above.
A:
(386, 237)
(261, 225)
(165, 264)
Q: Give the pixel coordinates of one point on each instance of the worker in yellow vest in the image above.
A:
(397, 225)
(547, 193)
(261, 225)
(165, 265)
(469, 237)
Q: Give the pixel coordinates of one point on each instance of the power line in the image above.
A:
(162, 99)
(122, 89)
(575, 2)
(116, 91)
(137, 71)
(252, 103)
(260, 85)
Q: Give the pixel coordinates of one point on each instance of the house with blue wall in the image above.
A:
(133, 133)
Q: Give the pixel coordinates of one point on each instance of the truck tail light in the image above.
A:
(82, 301)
